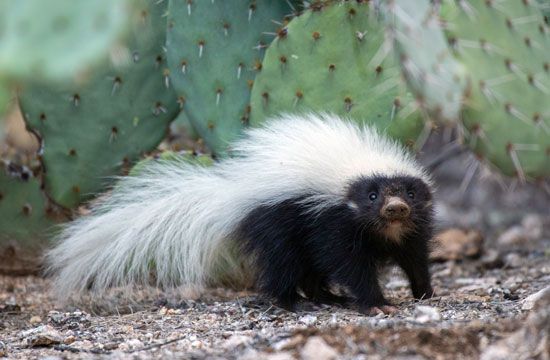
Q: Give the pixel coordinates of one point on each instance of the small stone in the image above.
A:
(492, 259)
(69, 340)
(515, 235)
(308, 320)
(3, 350)
(533, 225)
(513, 260)
(289, 343)
(35, 320)
(133, 344)
(455, 244)
(44, 335)
(529, 302)
(237, 340)
(110, 346)
(425, 314)
(317, 349)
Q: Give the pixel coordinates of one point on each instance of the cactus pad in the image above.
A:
(56, 39)
(506, 50)
(214, 51)
(90, 131)
(5, 96)
(25, 217)
(336, 58)
(433, 73)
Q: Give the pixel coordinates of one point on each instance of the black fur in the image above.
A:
(295, 249)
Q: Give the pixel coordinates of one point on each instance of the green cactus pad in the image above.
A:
(56, 39)
(433, 73)
(505, 48)
(214, 52)
(335, 58)
(25, 218)
(544, 6)
(90, 131)
(5, 96)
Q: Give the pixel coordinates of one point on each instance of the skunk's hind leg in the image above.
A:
(273, 235)
(317, 289)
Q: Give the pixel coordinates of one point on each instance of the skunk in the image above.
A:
(306, 203)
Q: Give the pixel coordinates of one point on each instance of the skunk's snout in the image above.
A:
(395, 209)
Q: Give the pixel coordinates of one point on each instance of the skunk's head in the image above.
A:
(391, 206)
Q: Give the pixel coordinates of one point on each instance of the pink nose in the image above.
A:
(395, 209)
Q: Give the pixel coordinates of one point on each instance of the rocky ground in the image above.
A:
(491, 272)
(480, 303)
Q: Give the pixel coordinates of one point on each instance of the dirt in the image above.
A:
(475, 308)
(487, 306)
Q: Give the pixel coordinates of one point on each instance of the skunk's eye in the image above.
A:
(410, 194)
(373, 196)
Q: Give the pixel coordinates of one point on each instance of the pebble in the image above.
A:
(35, 320)
(533, 225)
(492, 259)
(531, 229)
(529, 302)
(513, 236)
(44, 335)
(513, 260)
(308, 320)
(424, 314)
(237, 340)
(288, 343)
(455, 244)
(132, 344)
(317, 349)
(69, 340)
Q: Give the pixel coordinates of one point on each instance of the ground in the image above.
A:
(476, 306)
(487, 280)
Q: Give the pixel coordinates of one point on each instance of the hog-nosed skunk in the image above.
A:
(307, 201)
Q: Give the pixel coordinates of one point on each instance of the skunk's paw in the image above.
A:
(382, 309)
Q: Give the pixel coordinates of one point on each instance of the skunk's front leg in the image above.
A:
(413, 259)
(361, 277)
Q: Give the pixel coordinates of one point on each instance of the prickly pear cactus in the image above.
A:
(25, 218)
(5, 96)
(336, 58)
(507, 109)
(90, 131)
(56, 39)
(215, 49)
(433, 73)
(544, 6)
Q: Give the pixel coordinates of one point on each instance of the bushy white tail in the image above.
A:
(170, 220)
(174, 221)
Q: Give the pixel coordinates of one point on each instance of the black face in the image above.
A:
(391, 206)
